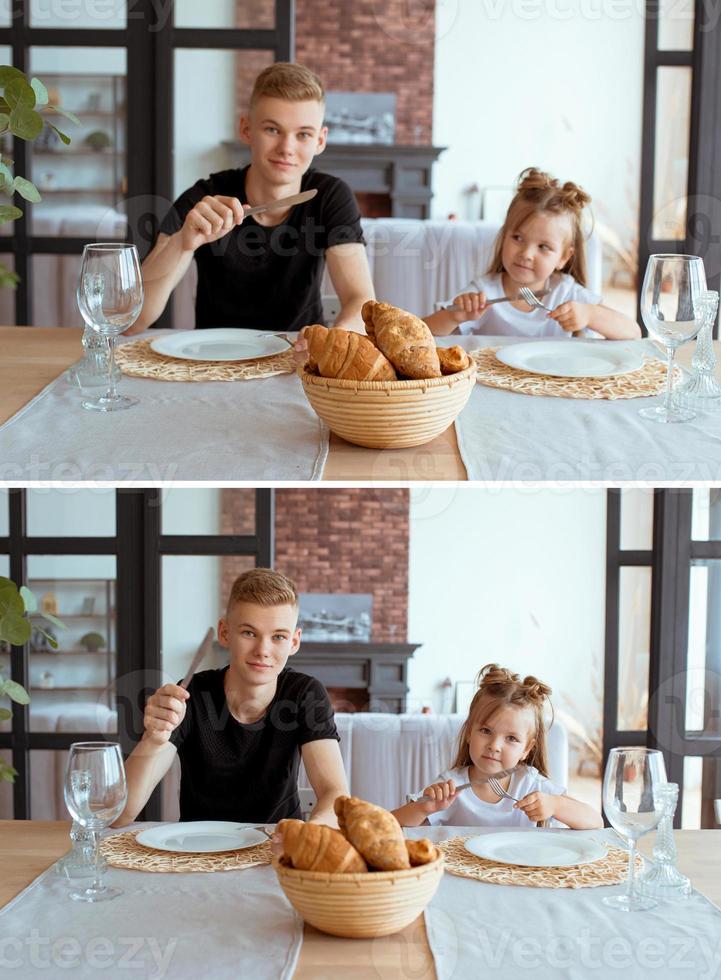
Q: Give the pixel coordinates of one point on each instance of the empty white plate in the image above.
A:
(572, 358)
(201, 837)
(536, 849)
(219, 344)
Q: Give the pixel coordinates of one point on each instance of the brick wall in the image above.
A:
(361, 46)
(336, 540)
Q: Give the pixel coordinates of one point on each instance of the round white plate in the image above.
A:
(572, 358)
(536, 850)
(219, 344)
(201, 837)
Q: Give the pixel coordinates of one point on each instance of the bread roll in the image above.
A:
(374, 832)
(421, 851)
(453, 359)
(405, 340)
(315, 847)
(340, 353)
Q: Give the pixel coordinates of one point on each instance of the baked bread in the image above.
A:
(345, 354)
(421, 851)
(453, 359)
(405, 339)
(374, 832)
(315, 847)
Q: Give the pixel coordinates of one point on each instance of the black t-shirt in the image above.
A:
(231, 771)
(268, 278)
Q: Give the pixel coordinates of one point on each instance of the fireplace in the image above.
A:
(359, 676)
(389, 181)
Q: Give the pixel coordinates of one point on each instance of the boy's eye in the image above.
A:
(247, 633)
(305, 136)
(271, 129)
(279, 636)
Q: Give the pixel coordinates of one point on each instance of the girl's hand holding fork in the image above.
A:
(537, 806)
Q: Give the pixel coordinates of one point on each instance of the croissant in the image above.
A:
(420, 851)
(374, 832)
(453, 359)
(405, 339)
(315, 847)
(345, 354)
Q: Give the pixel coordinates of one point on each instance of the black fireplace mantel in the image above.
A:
(402, 172)
(379, 669)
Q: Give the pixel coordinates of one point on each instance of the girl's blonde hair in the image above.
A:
(538, 192)
(499, 687)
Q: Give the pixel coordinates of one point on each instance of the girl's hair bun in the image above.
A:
(574, 196)
(533, 179)
(535, 690)
(533, 183)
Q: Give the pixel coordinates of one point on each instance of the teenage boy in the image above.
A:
(241, 731)
(265, 271)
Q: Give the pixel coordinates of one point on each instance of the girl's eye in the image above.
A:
(485, 731)
(546, 247)
(516, 238)
(512, 738)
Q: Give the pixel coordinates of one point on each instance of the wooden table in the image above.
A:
(32, 357)
(27, 847)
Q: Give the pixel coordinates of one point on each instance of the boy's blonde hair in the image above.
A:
(263, 587)
(540, 192)
(286, 80)
(498, 688)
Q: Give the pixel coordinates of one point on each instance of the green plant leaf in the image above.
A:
(41, 93)
(15, 628)
(26, 122)
(52, 619)
(8, 212)
(7, 773)
(63, 137)
(68, 115)
(8, 279)
(28, 597)
(7, 73)
(4, 121)
(49, 637)
(7, 175)
(5, 714)
(26, 189)
(16, 692)
(19, 92)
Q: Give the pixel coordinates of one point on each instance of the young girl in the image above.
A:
(542, 246)
(504, 729)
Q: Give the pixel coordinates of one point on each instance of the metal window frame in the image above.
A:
(704, 173)
(149, 130)
(138, 547)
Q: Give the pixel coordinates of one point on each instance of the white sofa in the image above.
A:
(385, 757)
(414, 264)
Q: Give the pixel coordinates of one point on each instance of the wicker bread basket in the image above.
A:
(360, 906)
(389, 414)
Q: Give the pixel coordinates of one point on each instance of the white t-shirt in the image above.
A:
(468, 811)
(503, 319)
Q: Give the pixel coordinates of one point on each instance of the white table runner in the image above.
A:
(477, 929)
(506, 436)
(220, 925)
(262, 429)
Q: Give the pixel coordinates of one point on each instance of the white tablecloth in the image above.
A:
(221, 925)
(477, 929)
(505, 436)
(255, 430)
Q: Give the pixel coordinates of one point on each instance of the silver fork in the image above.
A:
(499, 790)
(528, 296)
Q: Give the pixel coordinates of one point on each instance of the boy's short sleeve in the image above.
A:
(316, 718)
(340, 217)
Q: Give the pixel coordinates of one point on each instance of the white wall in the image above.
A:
(549, 83)
(511, 576)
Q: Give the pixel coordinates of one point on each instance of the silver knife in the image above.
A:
(501, 774)
(200, 653)
(490, 302)
(284, 202)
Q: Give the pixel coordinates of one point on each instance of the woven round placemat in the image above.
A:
(611, 870)
(139, 359)
(648, 380)
(123, 851)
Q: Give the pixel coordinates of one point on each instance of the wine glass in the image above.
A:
(632, 805)
(672, 312)
(110, 298)
(95, 795)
